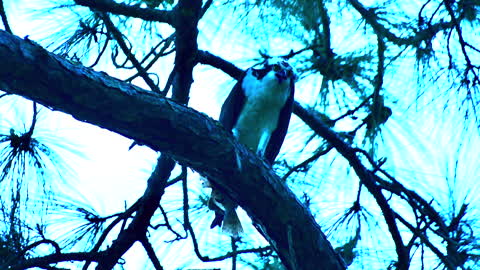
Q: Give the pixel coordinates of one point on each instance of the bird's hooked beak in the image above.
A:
(281, 75)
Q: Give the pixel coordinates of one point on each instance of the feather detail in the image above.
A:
(231, 224)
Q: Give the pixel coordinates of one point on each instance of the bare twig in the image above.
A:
(41, 242)
(167, 42)
(169, 226)
(102, 51)
(233, 242)
(34, 120)
(189, 228)
(3, 14)
(309, 160)
(128, 53)
(151, 253)
(128, 213)
(205, 7)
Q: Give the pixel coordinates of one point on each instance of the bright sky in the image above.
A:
(109, 175)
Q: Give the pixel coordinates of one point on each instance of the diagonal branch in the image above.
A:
(367, 178)
(137, 229)
(207, 58)
(190, 137)
(151, 253)
(122, 217)
(128, 53)
(3, 14)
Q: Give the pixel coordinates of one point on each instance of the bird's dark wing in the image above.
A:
(232, 106)
(278, 135)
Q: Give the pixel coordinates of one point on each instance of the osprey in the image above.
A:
(257, 111)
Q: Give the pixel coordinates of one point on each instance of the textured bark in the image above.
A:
(191, 138)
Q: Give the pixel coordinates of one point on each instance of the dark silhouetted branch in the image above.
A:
(147, 14)
(190, 137)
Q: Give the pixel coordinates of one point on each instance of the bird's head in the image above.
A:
(283, 71)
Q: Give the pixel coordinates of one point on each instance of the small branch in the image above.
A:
(204, 57)
(445, 260)
(151, 253)
(101, 52)
(128, 53)
(188, 225)
(373, 20)
(234, 250)
(353, 111)
(205, 7)
(128, 213)
(418, 204)
(34, 120)
(147, 14)
(167, 42)
(398, 189)
(179, 178)
(459, 32)
(43, 241)
(293, 53)
(169, 226)
(169, 82)
(378, 83)
(3, 14)
(189, 228)
(463, 45)
(307, 161)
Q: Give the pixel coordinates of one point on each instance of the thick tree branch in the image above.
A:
(191, 138)
(58, 257)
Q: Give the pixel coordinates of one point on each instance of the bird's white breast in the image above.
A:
(264, 100)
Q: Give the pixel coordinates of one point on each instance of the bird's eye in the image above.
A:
(276, 68)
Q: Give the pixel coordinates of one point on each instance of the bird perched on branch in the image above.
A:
(257, 111)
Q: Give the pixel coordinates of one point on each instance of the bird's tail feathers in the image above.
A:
(231, 224)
